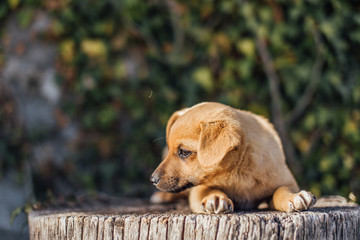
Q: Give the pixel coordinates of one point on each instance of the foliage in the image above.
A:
(125, 66)
(13, 144)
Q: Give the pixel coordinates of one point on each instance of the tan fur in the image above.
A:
(237, 160)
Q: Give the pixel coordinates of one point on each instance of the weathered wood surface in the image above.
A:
(329, 219)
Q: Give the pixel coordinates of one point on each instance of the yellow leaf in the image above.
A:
(350, 128)
(316, 189)
(262, 31)
(204, 78)
(13, 3)
(223, 42)
(213, 50)
(304, 145)
(326, 164)
(349, 162)
(246, 46)
(67, 50)
(93, 48)
(328, 29)
(120, 69)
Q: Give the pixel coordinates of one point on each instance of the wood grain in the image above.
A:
(329, 219)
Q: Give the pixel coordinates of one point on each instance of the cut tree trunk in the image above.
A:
(330, 218)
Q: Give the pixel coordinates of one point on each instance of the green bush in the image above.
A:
(125, 66)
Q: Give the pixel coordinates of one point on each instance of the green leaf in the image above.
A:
(14, 214)
(25, 16)
(106, 116)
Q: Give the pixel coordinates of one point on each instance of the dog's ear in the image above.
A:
(217, 138)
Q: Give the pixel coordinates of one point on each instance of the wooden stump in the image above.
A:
(331, 218)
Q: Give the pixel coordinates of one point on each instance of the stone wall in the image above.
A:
(29, 79)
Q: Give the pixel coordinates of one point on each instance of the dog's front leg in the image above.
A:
(203, 199)
(159, 197)
(287, 199)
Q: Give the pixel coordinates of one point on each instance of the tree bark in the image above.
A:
(328, 219)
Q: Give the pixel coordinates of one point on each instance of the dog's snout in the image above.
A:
(155, 178)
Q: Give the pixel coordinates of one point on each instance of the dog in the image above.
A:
(224, 159)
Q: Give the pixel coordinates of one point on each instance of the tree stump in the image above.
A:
(330, 218)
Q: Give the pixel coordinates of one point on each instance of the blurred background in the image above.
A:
(87, 87)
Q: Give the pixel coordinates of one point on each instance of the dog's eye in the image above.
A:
(184, 154)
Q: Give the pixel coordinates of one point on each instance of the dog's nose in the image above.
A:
(155, 178)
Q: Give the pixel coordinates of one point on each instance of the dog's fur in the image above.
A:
(223, 157)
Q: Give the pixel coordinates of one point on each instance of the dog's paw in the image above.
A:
(161, 197)
(300, 201)
(216, 203)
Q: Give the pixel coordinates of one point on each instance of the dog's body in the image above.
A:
(226, 157)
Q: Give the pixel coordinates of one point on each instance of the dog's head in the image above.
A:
(200, 140)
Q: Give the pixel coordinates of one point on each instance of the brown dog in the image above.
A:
(223, 157)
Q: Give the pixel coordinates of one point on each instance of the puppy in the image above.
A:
(222, 158)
